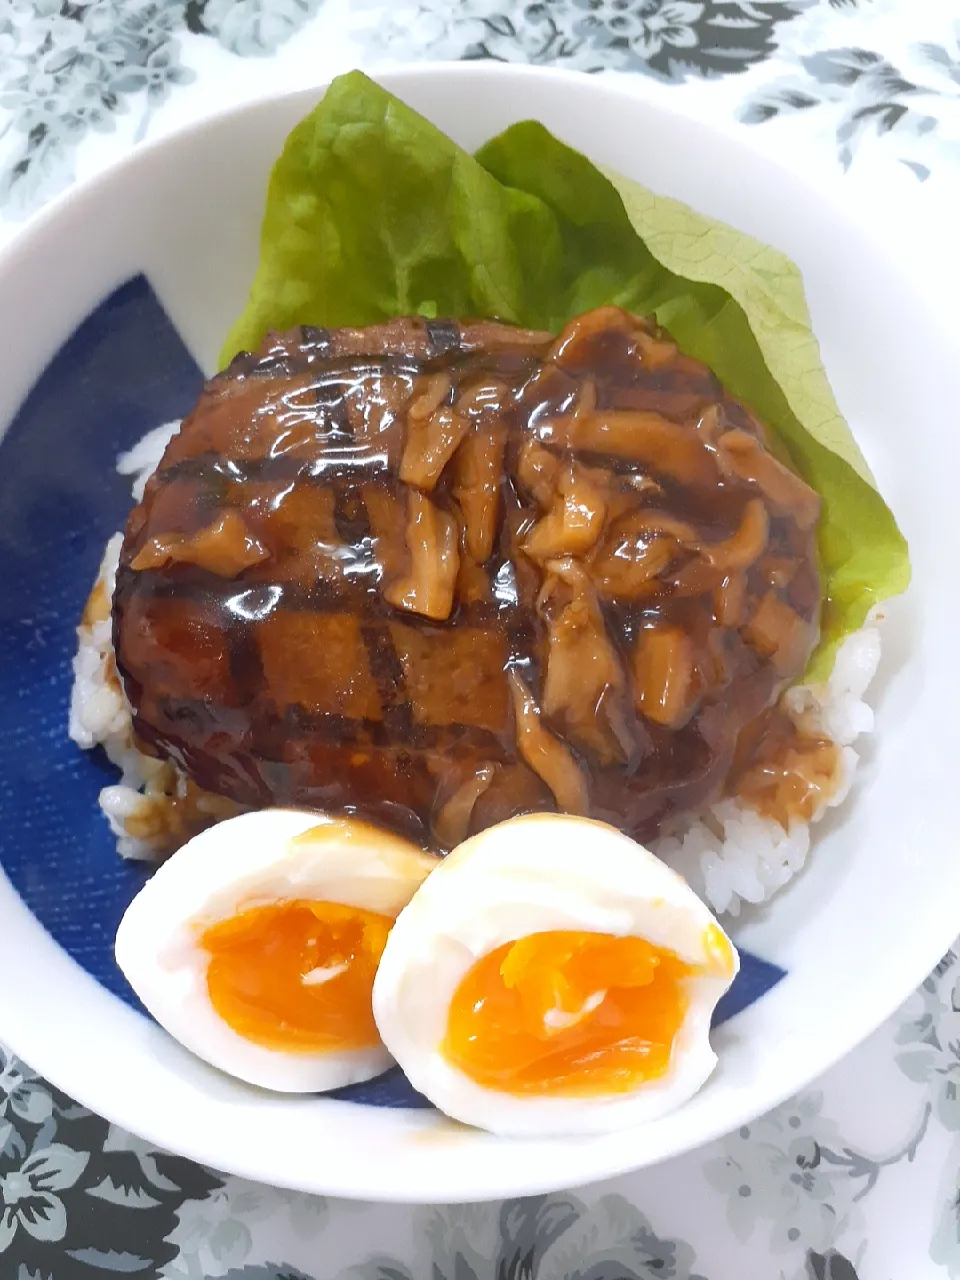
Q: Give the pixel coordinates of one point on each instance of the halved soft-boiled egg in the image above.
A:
(553, 976)
(257, 943)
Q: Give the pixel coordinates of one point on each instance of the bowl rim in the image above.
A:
(579, 1164)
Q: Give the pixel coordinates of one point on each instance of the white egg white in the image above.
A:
(246, 862)
(529, 875)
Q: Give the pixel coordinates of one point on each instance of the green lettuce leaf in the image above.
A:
(372, 213)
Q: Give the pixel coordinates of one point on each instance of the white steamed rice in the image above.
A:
(730, 854)
(99, 712)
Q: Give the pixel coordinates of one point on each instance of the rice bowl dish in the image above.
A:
(439, 577)
(734, 850)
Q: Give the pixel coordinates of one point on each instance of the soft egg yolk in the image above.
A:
(567, 1012)
(297, 976)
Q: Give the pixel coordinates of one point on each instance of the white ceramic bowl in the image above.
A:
(881, 899)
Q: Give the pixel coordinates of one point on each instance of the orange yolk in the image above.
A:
(567, 1013)
(297, 975)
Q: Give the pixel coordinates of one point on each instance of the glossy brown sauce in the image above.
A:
(173, 809)
(783, 772)
(443, 573)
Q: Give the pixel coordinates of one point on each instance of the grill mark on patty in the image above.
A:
(353, 525)
(387, 671)
(444, 336)
(242, 596)
(294, 721)
(217, 471)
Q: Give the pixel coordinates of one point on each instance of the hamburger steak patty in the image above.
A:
(443, 573)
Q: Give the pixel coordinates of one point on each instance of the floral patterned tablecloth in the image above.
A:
(859, 1176)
